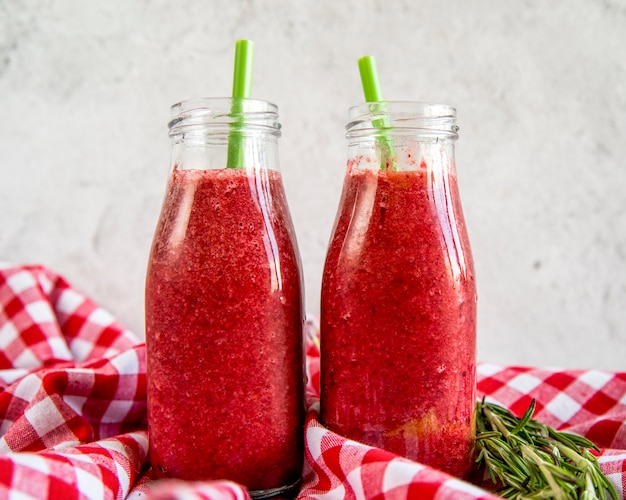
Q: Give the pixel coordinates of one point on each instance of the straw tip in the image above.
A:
(244, 43)
(369, 79)
(367, 63)
(242, 77)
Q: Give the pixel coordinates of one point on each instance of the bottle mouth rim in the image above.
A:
(404, 117)
(225, 113)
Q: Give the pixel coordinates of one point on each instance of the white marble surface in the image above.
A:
(85, 89)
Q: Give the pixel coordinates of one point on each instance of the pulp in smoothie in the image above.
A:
(224, 331)
(398, 318)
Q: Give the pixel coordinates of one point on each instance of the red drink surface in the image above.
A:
(224, 323)
(398, 318)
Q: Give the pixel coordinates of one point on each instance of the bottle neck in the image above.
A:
(217, 133)
(401, 135)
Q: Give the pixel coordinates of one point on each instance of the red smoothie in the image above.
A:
(398, 317)
(224, 322)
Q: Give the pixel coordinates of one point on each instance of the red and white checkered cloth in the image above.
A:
(73, 411)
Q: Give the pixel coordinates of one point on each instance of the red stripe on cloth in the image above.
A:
(605, 433)
(5, 361)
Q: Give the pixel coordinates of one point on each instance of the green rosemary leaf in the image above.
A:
(570, 440)
(525, 419)
(580, 441)
(528, 460)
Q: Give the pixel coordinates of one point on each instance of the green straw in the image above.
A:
(242, 86)
(373, 94)
(242, 77)
(369, 79)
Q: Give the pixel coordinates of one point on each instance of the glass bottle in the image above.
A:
(398, 310)
(224, 305)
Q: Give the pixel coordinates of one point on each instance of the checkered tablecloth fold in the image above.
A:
(173, 489)
(73, 401)
(73, 411)
(341, 468)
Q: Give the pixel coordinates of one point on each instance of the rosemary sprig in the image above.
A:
(530, 460)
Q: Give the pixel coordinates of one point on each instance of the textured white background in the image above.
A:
(540, 88)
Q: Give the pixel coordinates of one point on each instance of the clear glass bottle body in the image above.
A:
(398, 311)
(224, 305)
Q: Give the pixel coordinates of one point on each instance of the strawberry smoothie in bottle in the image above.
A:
(398, 310)
(224, 313)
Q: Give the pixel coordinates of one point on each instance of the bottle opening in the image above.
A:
(222, 114)
(374, 119)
